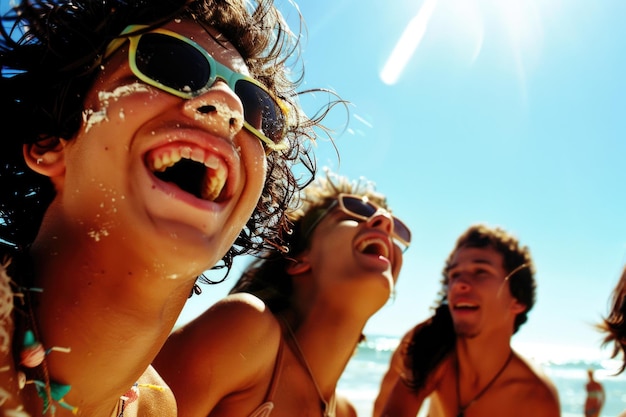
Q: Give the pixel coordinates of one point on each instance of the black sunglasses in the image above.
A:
(362, 209)
(176, 64)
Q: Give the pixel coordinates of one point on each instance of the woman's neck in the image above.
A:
(327, 342)
(112, 316)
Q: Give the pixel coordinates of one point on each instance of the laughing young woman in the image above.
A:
(279, 342)
(142, 143)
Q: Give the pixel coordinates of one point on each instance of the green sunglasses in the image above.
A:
(179, 66)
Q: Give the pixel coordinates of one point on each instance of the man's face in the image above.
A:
(113, 187)
(478, 295)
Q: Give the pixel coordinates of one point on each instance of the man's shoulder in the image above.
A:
(533, 386)
(533, 371)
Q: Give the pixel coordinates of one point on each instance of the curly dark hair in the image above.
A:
(522, 284)
(435, 338)
(266, 277)
(614, 325)
(50, 54)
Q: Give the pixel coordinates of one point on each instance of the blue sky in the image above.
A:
(508, 112)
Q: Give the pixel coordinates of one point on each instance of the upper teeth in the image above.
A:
(216, 174)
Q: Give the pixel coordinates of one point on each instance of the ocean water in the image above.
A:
(361, 379)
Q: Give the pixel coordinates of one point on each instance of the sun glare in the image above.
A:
(467, 26)
(408, 43)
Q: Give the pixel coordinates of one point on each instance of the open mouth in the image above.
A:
(465, 306)
(192, 169)
(374, 246)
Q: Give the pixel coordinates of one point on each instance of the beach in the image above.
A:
(361, 379)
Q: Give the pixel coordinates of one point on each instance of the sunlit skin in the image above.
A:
(595, 397)
(483, 311)
(221, 364)
(479, 299)
(355, 265)
(119, 250)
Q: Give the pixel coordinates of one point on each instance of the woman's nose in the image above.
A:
(381, 220)
(219, 110)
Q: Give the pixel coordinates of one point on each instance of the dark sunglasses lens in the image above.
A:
(260, 110)
(401, 230)
(172, 62)
(359, 207)
(367, 210)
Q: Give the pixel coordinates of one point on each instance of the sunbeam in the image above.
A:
(410, 39)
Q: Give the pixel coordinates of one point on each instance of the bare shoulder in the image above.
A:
(235, 320)
(230, 346)
(536, 374)
(534, 389)
(155, 398)
(239, 323)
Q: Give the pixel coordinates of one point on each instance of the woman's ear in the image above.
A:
(298, 266)
(46, 157)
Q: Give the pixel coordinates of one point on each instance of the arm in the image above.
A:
(402, 401)
(389, 379)
(395, 398)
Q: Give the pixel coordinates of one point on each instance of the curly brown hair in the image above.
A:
(50, 54)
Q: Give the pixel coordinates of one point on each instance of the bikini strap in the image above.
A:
(278, 366)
